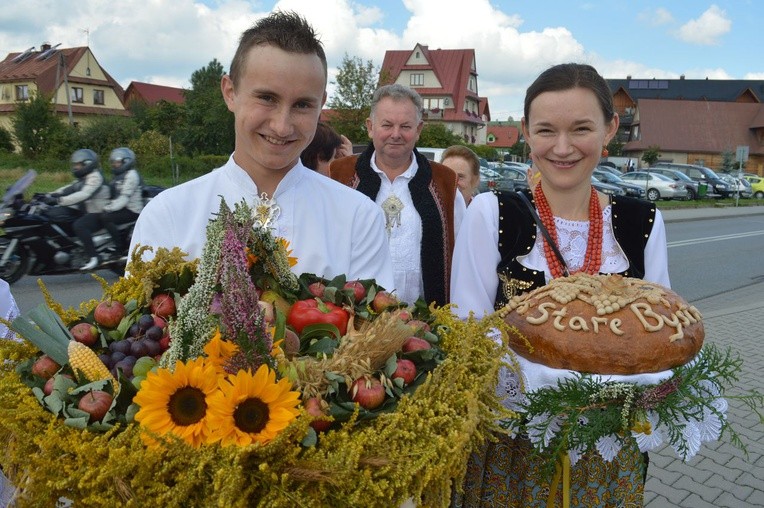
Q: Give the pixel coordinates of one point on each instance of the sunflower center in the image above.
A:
(187, 406)
(251, 416)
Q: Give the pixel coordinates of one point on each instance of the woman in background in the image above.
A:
(326, 146)
(467, 166)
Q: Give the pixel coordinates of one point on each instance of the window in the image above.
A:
(22, 92)
(98, 97)
(76, 94)
(417, 80)
(472, 85)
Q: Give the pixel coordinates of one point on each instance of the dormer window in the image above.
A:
(416, 79)
(22, 92)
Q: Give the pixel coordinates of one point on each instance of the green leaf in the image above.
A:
(390, 365)
(319, 330)
(79, 422)
(310, 439)
(324, 345)
(44, 329)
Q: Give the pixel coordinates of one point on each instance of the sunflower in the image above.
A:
(251, 408)
(219, 351)
(177, 401)
(284, 243)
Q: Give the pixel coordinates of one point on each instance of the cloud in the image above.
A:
(707, 29)
(656, 17)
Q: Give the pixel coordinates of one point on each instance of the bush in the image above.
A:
(188, 167)
(104, 134)
(6, 140)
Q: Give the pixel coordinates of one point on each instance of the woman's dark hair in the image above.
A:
(323, 146)
(571, 75)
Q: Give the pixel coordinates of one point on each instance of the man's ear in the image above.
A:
(228, 90)
(368, 127)
(323, 101)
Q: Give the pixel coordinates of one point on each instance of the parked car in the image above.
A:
(694, 190)
(657, 186)
(492, 180)
(757, 185)
(700, 174)
(610, 169)
(631, 189)
(606, 188)
(519, 177)
(737, 185)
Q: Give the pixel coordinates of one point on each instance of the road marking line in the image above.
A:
(682, 243)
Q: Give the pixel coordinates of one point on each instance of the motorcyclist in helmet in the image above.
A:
(86, 194)
(126, 195)
(123, 204)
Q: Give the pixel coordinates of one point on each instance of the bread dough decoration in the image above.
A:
(604, 324)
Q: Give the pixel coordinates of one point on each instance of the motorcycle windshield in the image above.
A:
(19, 187)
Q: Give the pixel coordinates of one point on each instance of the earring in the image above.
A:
(604, 151)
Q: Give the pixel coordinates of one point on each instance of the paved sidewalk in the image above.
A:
(721, 475)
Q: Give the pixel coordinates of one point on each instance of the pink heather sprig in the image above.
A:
(242, 318)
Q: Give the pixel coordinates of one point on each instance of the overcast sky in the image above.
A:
(164, 41)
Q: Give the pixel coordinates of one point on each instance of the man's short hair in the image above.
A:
(287, 31)
(397, 92)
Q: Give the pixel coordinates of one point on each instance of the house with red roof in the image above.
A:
(697, 131)
(502, 135)
(447, 80)
(150, 94)
(79, 87)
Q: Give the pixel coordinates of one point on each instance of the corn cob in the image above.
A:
(85, 363)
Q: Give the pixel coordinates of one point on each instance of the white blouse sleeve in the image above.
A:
(8, 310)
(476, 255)
(656, 254)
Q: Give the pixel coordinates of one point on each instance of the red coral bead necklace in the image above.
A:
(593, 259)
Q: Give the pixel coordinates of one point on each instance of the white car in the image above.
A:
(656, 186)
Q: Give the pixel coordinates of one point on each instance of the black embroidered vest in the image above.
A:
(632, 220)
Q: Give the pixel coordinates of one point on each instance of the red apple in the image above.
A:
(109, 313)
(85, 333)
(367, 392)
(415, 344)
(383, 300)
(45, 367)
(160, 322)
(317, 289)
(164, 342)
(163, 305)
(419, 325)
(48, 388)
(96, 403)
(359, 292)
(313, 408)
(405, 316)
(405, 370)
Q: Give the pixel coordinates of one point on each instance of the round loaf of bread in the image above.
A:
(604, 324)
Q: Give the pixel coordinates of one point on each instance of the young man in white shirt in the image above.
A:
(276, 88)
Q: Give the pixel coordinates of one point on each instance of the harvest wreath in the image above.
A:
(233, 382)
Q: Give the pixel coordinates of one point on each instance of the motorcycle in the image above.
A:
(33, 244)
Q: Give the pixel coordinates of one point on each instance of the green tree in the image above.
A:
(150, 145)
(615, 147)
(209, 124)
(485, 151)
(105, 133)
(728, 161)
(35, 125)
(351, 102)
(436, 135)
(651, 154)
(6, 140)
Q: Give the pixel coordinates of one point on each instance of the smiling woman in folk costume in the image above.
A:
(502, 250)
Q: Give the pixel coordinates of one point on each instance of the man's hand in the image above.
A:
(345, 149)
(50, 200)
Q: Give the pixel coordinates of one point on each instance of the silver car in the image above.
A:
(656, 186)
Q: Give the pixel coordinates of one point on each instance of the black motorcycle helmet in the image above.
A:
(121, 159)
(84, 161)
